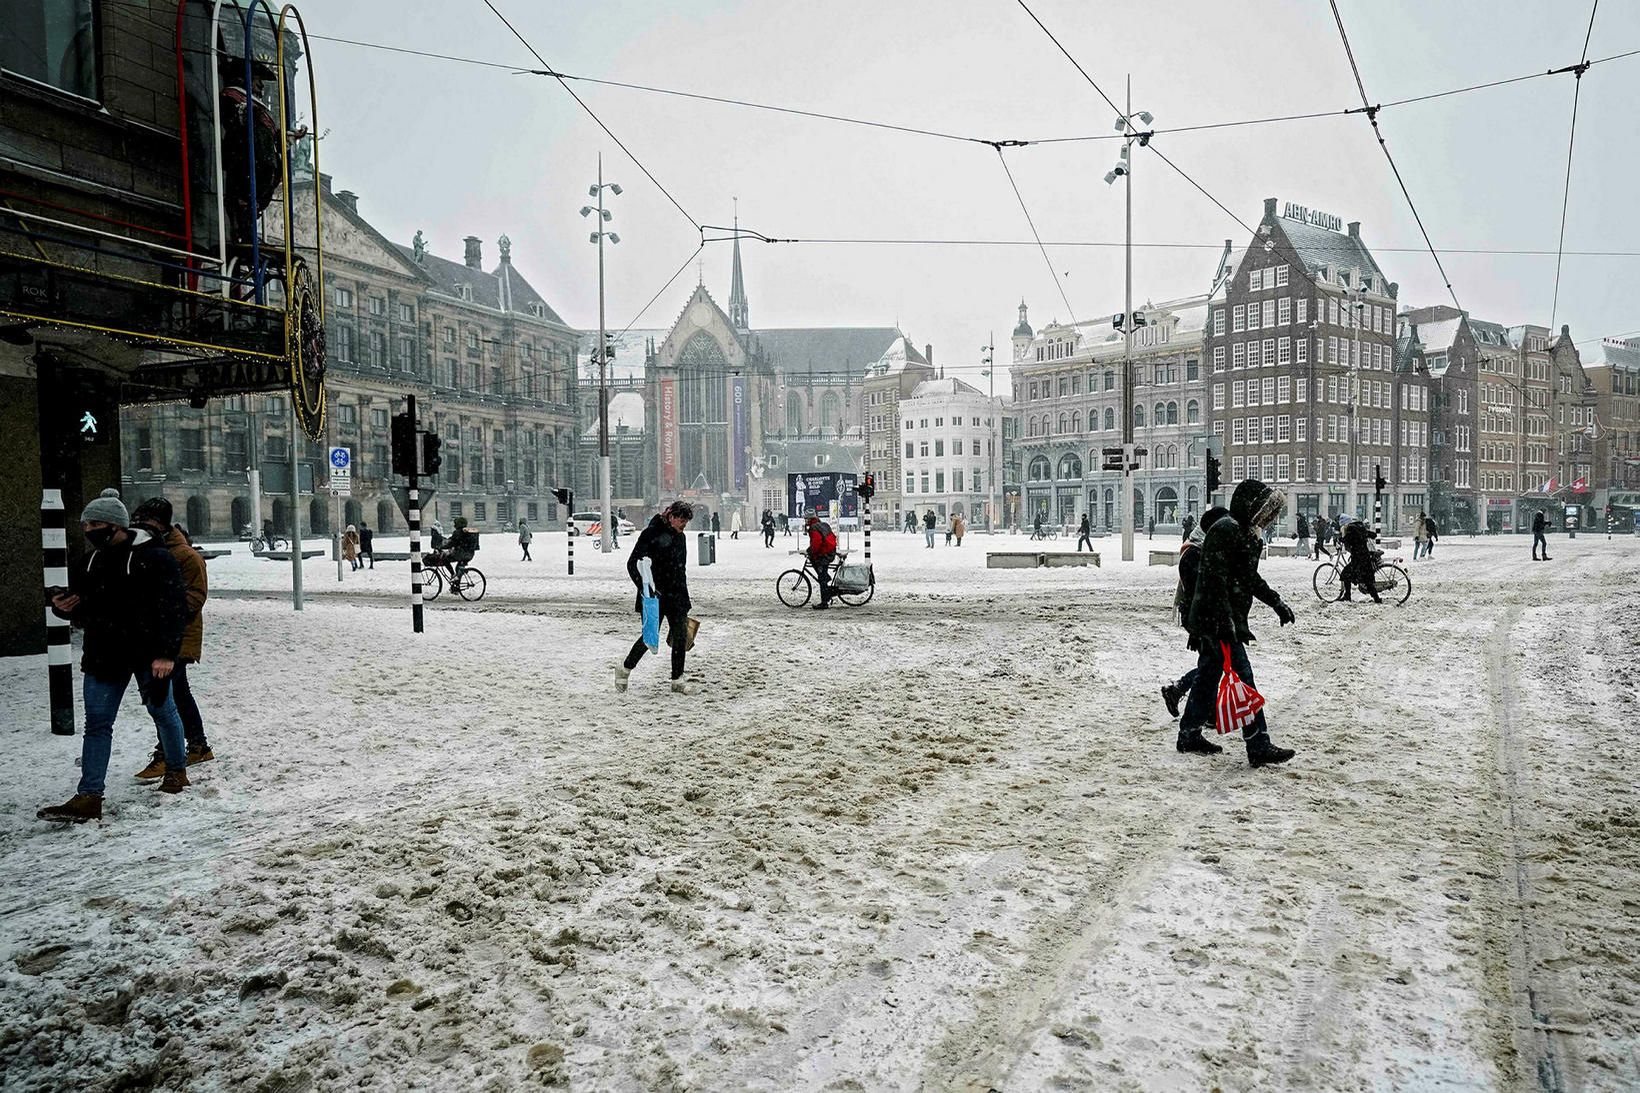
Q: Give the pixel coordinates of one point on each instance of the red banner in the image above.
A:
(669, 435)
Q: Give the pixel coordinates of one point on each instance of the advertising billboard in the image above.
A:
(817, 491)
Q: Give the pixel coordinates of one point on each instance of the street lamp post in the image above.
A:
(604, 216)
(1354, 308)
(1124, 170)
(988, 351)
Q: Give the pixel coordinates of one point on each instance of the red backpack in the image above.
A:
(828, 537)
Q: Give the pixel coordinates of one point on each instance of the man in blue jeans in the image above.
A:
(128, 598)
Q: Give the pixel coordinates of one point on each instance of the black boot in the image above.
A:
(1262, 753)
(1192, 740)
(1170, 697)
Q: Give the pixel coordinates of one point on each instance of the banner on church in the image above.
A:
(739, 455)
(669, 435)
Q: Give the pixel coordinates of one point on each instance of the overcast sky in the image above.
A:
(457, 149)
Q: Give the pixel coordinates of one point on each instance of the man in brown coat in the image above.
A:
(154, 517)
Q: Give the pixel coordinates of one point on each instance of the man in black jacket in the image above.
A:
(1539, 523)
(1361, 566)
(129, 599)
(1226, 585)
(665, 547)
(1084, 533)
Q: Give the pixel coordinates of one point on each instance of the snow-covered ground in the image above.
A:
(939, 842)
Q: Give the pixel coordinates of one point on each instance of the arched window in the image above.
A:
(1040, 471)
(1192, 413)
(199, 517)
(1172, 413)
(831, 411)
(1110, 418)
(1159, 415)
(1110, 380)
(1064, 422)
(1167, 506)
(794, 414)
(1076, 421)
(1070, 467)
(1138, 417)
(1193, 498)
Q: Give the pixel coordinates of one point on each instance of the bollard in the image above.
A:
(59, 652)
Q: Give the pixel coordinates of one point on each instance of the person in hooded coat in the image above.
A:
(666, 547)
(1190, 559)
(1227, 582)
(350, 546)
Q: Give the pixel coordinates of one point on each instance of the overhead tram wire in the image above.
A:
(1045, 259)
(1571, 143)
(590, 113)
(1372, 117)
(758, 237)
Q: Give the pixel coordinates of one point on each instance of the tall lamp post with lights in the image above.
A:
(993, 502)
(1124, 169)
(598, 237)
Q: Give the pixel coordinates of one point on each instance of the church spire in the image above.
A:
(738, 308)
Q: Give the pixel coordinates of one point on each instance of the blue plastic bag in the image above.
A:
(652, 622)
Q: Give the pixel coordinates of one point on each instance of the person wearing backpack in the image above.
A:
(822, 555)
(1190, 560)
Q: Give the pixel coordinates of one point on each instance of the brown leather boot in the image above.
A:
(200, 755)
(154, 770)
(78, 809)
(175, 781)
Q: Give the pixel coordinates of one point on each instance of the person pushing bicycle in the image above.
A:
(1363, 561)
(822, 554)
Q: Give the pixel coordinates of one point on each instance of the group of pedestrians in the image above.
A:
(359, 546)
(138, 597)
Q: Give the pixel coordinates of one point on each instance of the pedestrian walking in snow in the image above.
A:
(1433, 533)
(1226, 584)
(665, 547)
(128, 599)
(154, 517)
(524, 537)
(350, 546)
(717, 525)
(1358, 570)
(768, 529)
(959, 527)
(1184, 593)
(734, 525)
(1187, 526)
(1539, 524)
(1420, 535)
(786, 525)
(367, 545)
(911, 521)
(1302, 529)
(1084, 533)
(822, 554)
(928, 528)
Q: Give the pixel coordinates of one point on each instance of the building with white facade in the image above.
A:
(951, 451)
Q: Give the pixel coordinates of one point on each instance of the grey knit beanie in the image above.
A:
(108, 509)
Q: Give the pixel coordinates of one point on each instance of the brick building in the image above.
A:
(1613, 367)
(1453, 359)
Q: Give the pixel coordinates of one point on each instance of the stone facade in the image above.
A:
(491, 365)
(888, 383)
(1613, 367)
(951, 440)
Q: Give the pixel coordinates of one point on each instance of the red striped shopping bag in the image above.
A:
(1237, 703)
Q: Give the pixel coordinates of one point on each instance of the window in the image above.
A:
(1301, 390)
(347, 414)
(1269, 313)
(1192, 370)
(910, 483)
(341, 342)
(1269, 390)
(1238, 355)
(922, 449)
(1218, 320)
(1283, 428)
(407, 313)
(925, 488)
(449, 335)
(939, 447)
(908, 451)
(1303, 355)
(378, 349)
(1269, 352)
(1238, 431)
(1218, 396)
(1238, 318)
(956, 481)
(1284, 310)
(53, 42)
(472, 339)
(407, 354)
(1238, 393)
(1303, 309)
(1269, 429)
(1301, 432)
(378, 305)
(1281, 276)
(956, 447)
(939, 481)
(1192, 412)
(344, 296)
(1283, 389)
(1218, 358)
(1284, 350)
(1255, 281)
(1110, 417)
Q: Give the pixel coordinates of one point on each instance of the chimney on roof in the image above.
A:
(475, 252)
(928, 351)
(324, 182)
(1355, 229)
(348, 198)
(1269, 206)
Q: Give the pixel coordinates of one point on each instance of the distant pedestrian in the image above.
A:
(1226, 585)
(350, 546)
(1302, 526)
(950, 528)
(1152, 532)
(1184, 593)
(911, 521)
(1434, 533)
(717, 525)
(786, 525)
(128, 599)
(1084, 533)
(958, 527)
(1187, 526)
(768, 529)
(1319, 528)
(367, 545)
(1420, 535)
(734, 525)
(154, 517)
(658, 564)
(1540, 523)
(524, 537)
(928, 528)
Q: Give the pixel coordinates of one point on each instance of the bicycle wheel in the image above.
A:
(1394, 586)
(794, 588)
(470, 584)
(432, 583)
(1326, 582)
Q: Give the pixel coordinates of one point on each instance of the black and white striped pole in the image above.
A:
(566, 497)
(59, 652)
(412, 514)
(1378, 485)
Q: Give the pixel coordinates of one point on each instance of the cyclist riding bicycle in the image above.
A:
(822, 554)
(1363, 560)
(458, 549)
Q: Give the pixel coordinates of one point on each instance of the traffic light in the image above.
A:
(1378, 477)
(867, 486)
(1212, 474)
(404, 444)
(432, 457)
(566, 497)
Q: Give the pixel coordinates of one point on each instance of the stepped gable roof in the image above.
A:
(1318, 247)
(833, 348)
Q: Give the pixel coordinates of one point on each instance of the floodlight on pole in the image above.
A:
(596, 190)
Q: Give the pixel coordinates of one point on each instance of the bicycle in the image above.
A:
(467, 582)
(796, 586)
(1393, 584)
(1043, 533)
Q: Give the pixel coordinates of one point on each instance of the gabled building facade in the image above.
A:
(1453, 360)
(1613, 367)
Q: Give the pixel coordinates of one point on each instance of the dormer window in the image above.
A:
(464, 292)
(538, 311)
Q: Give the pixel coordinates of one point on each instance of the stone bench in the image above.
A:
(1032, 559)
(1279, 550)
(1164, 557)
(284, 555)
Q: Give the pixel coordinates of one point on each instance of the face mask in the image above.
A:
(99, 537)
